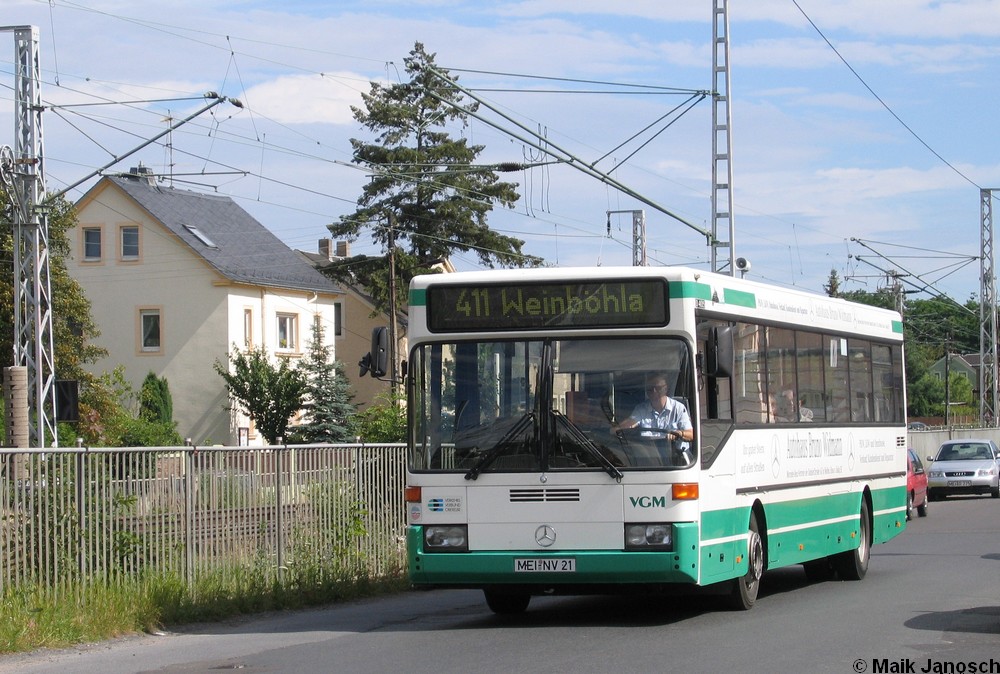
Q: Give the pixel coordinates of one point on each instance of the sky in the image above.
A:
(863, 131)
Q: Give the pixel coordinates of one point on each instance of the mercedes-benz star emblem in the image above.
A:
(545, 535)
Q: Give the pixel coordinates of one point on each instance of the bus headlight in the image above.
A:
(446, 538)
(656, 536)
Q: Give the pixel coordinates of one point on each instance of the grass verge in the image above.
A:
(32, 618)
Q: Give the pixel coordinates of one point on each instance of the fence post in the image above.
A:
(279, 473)
(189, 512)
(81, 508)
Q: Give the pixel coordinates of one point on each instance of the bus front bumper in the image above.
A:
(479, 568)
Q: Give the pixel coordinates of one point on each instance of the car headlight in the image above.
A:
(657, 536)
(987, 472)
(446, 538)
(935, 473)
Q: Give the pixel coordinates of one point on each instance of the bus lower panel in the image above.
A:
(594, 568)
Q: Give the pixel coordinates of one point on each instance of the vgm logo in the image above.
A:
(648, 501)
(436, 505)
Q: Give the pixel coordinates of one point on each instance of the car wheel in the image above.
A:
(853, 564)
(744, 592)
(995, 492)
(909, 506)
(922, 509)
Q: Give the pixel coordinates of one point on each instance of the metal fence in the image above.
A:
(74, 516)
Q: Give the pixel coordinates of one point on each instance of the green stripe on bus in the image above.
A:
(690, 290)
(418, 298)
(897, 327)
(703, 291)
(739, 298)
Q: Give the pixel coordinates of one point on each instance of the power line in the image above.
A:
(882, 102)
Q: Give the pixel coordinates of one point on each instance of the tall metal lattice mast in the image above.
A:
(987, 315)
(22, 170)
(722, 145)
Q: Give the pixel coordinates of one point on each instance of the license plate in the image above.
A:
(959, 483)
(566, 565)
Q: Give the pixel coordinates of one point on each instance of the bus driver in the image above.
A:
(660, 411)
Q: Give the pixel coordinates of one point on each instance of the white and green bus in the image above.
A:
(517, 483)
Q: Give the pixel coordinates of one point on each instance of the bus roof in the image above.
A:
(719, 294)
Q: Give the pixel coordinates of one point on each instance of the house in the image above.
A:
(178, 278)
(359, 317)
(964, 365)
(356, 318)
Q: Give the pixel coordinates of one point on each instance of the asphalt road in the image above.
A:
(930, 603)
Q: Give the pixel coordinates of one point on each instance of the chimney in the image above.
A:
(142, 172)
(343, 249)
(326, 248)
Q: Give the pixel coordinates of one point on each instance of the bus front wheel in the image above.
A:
(507, 603)
(853, 564)
(745, 588)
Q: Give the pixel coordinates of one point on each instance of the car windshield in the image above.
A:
(544, 405)
(965, 451)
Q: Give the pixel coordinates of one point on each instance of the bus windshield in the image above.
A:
(550, 405)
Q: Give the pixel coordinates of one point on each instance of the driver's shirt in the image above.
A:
(673, 417)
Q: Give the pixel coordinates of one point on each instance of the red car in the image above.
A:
(916, 486)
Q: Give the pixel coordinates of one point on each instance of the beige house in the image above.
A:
(178, 278)
(355, 327)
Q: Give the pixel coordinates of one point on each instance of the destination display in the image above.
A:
(536, 306)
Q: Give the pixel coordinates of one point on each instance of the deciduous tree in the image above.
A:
(268, 393)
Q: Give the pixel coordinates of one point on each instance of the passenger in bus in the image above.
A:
(661, 412)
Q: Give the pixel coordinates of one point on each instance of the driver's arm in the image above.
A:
(625, 424)
(686, 434)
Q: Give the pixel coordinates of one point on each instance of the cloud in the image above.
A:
(306, 99)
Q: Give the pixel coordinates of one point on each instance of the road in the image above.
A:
(931, 597)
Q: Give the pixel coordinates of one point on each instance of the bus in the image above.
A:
(527, 473)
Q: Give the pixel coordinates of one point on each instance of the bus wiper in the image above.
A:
(522, 424)
(588, 445)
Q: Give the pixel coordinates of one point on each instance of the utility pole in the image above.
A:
(638, 236)
(23, 176)
(987, 316)
(393, 328)
(722, 145)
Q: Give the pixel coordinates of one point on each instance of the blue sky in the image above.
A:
(818, 158)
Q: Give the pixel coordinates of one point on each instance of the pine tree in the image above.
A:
(832, 286)
(328, 408)
(426, 194)
(155, 401)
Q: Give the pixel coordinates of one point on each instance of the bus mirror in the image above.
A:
(719, 352)
(376, 361)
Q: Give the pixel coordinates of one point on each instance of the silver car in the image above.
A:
(964, 467)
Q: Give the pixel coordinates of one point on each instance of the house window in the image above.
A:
(150, 331)
(91, 244)
(130, 242)
(338, 319)
(287, 332)
(248, 327)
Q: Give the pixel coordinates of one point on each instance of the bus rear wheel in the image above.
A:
(507, 603)
(853, 564)
(745, 588)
